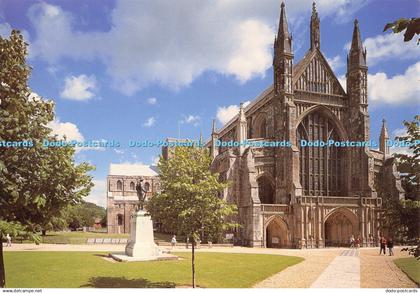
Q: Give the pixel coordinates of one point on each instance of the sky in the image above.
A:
(150, 69)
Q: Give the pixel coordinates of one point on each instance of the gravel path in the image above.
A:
(379, 271)
(304, 273)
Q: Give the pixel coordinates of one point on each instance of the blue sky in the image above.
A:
(121, 70)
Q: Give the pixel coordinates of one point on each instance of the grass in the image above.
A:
(26, 269)
(410, 266)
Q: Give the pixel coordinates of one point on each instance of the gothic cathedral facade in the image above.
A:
(306, 197)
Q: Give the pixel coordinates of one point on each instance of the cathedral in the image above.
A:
(300, 196)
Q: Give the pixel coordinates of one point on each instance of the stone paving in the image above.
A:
(342, 272)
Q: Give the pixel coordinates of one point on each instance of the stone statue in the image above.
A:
(141, 194)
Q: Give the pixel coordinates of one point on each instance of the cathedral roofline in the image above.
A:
(132, 170)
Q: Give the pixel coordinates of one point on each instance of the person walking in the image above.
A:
(357, 242)
(9, 240)
(173, 241)
(383, 245)
(390, 245)
(352, 241)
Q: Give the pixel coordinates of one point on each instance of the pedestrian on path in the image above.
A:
(390, 245)
(173, 241)
(352, 241)
(9, 240)
(383, 245)
(357, 242)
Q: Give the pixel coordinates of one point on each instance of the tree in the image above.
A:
(189, 202)
(84, 215)
(36, 183)
(408, 164)
(403, 216)
(411, 27)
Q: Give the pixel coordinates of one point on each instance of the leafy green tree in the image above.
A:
(411, 27)
(36, 183)
(84, 215)
(409, 163)
(189, 202)
(402, 217)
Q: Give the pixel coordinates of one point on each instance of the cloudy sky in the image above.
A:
(150, 69)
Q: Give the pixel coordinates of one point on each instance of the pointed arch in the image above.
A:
(339, 225)
(277, 234)
(260, 126)
(327, 113)
(320, 167)
(119, 185)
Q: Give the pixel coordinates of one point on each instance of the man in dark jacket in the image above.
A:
(390, 245)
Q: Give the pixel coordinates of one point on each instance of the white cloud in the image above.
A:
(149, 122)
(119, 152)
(387, 46)
(79, 88)
(399, 89)
(98, 194)
(151, 42)
(65, 129)
(335, 62)
(225, 114)
(152, 101)
(343, 81)
(399, 132)
(70, 131)
(191, 119)
(5, 30)
(155, 160)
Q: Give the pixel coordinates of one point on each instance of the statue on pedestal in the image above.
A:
(141, 194)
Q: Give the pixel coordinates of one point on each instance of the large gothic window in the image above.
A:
(320, 167)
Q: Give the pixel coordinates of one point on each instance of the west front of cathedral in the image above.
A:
(306, 197)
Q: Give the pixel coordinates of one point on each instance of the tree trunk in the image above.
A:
(44, 232)
(2, 273)
(193, 263)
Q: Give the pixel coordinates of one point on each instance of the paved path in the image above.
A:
(342, 272)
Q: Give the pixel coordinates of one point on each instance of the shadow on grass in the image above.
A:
(122, 282)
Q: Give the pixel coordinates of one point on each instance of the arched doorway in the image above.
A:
(120, 224)
(276, 234)
(320, 166)
(265, 190)
(339, 226)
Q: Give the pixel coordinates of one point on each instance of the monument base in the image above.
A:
(126, 258)
(141, 246)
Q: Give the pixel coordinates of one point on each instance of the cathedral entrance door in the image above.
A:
(339, 227)
(276, 234)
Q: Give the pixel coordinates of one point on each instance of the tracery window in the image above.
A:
(132, 186)
(320, 167)
(260, 128)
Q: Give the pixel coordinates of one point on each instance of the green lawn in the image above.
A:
(410, 266)
(87, 269)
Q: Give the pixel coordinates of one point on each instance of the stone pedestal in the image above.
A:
(141, 244)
